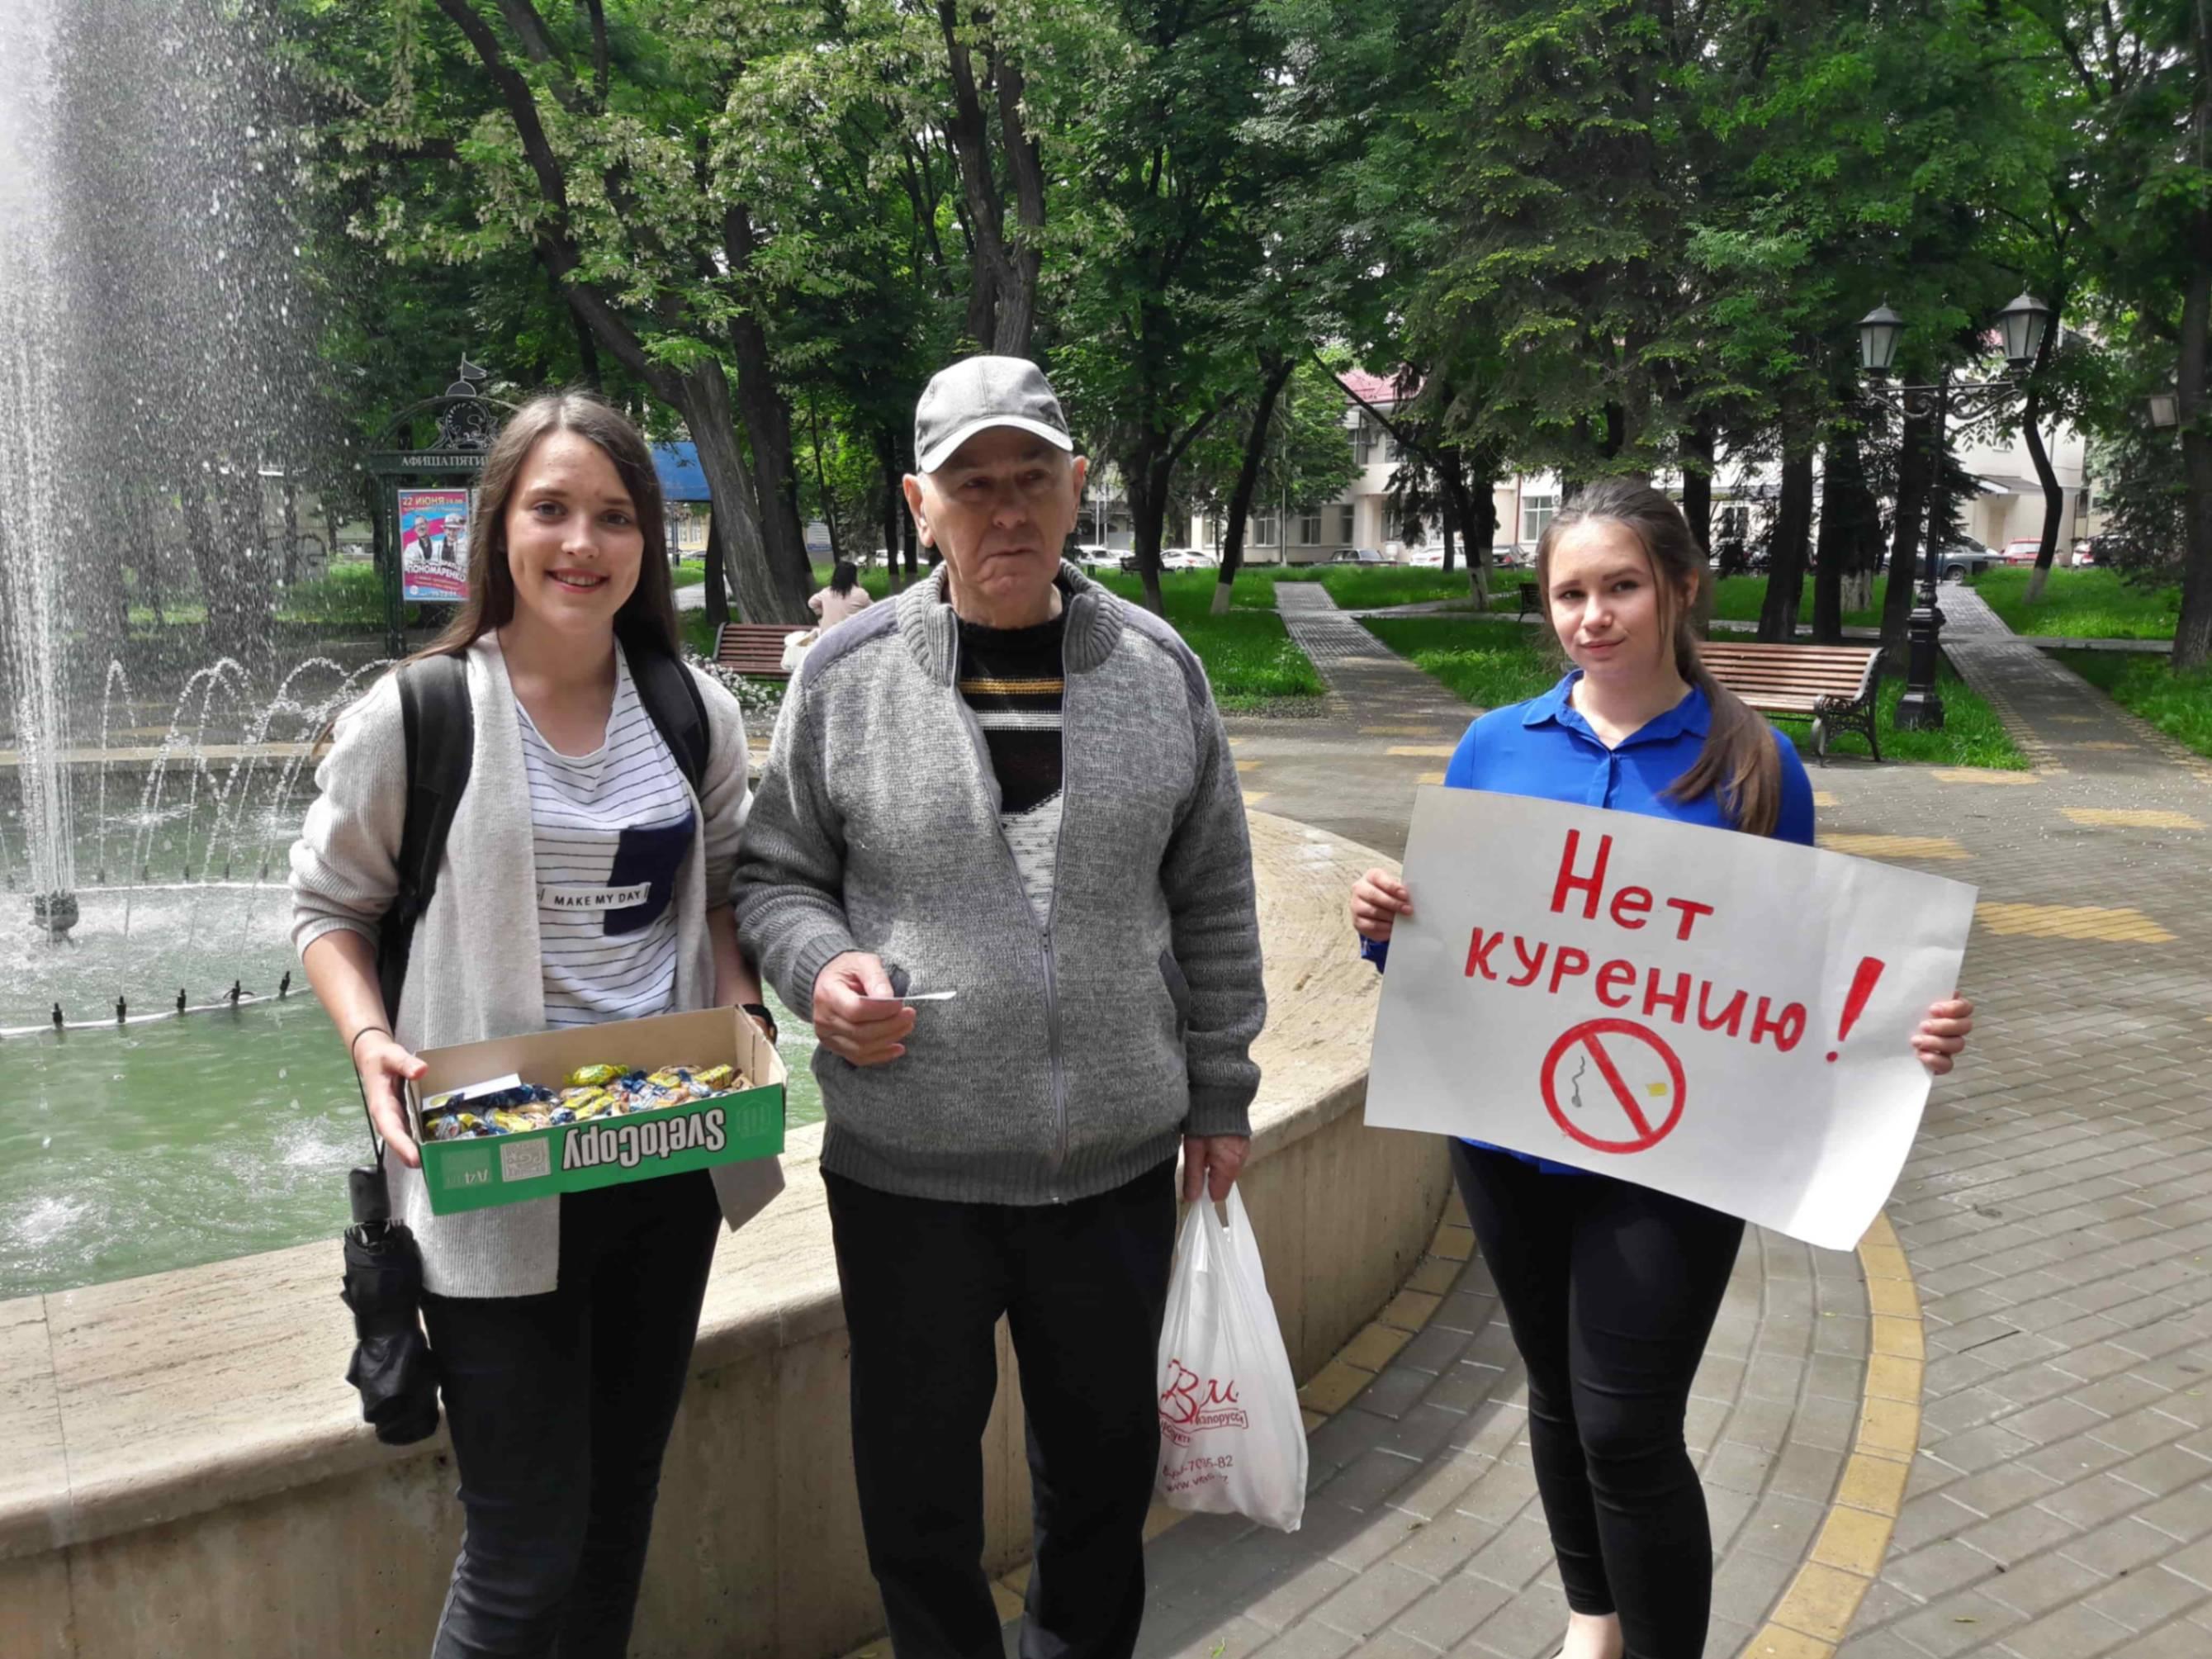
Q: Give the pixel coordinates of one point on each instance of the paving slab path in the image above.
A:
(2021, 1393)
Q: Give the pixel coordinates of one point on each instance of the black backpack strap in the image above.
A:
(671, 699)
(440, 724)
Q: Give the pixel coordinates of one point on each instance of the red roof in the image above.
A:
(1374, 388)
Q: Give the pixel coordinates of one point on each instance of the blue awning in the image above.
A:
(682, 478)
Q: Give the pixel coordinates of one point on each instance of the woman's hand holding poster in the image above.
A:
(1741, 1037)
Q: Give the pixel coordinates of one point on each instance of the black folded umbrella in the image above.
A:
(391, 1366)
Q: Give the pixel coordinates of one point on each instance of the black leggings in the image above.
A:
(1611, 1290)
(561, 1407)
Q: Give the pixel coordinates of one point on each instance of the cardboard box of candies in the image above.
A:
(524, 1117)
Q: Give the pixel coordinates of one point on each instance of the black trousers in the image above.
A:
(1083, 1287)
(1611, 1290)
(560, 1407)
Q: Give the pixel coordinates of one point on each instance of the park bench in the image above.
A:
(754, 649)
(1832, 685)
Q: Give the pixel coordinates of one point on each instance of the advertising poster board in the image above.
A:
(434, 544)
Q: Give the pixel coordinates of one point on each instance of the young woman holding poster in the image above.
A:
(1611, 1289)
(585, 877)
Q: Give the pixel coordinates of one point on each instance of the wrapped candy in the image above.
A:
(593, 1077)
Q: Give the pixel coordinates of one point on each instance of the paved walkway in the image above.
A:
(2050, 1456)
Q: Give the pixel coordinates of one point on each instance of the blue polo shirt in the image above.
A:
(1545, 748)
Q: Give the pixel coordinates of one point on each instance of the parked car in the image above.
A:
(1513, 555)
(2021, 549)
(1359, 556)
(1966, 557)
(1426, 558)
(2085, 552)
(1172, 558)
(1090, 556)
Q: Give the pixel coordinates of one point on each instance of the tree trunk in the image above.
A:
(1448, 520)
(1274, 371)
(1916, 466)
(1850, 521)
(1467, 497)
(1017, 288)
(894, 502)
(718, 566)
(1785, 570)
(2054, 500)
(821, 484)
(1150, 467)
(1698, 509)
(1002, 291)
(2193, 632)
(767, 434)
(767, 591)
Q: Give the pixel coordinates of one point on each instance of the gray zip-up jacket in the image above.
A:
(1076, 1053)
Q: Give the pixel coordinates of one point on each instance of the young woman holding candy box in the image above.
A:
(584, 879)
(1611, 1289)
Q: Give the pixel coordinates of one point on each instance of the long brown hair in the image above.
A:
(1739, 760)
(647, 620)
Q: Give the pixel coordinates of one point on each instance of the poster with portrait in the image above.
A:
(434, 544)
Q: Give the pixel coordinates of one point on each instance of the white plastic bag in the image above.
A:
(1231, 1440)
(795, 647)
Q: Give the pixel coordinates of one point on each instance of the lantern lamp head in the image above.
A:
(1879, 333)
(2023, 322)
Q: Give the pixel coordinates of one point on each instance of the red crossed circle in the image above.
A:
(1638, 1131)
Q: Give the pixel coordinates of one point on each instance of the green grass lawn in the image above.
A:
(2180, 705)
(2082, 604)
(1737, 598)
(1249, 659)
(1490, 664)
(1376, 588)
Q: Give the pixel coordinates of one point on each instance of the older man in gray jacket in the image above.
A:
(1011, 788)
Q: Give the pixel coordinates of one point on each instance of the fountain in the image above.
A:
(166, 1096)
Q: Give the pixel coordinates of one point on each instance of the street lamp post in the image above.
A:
(2022, 322)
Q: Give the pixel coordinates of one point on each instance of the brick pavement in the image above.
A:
(2057, 1215)
(1423, 1534)
(2057, 1212)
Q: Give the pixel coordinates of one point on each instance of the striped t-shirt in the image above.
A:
(610, 831)
(1012, 678)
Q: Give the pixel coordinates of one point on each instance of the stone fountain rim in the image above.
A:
(1315, 1070)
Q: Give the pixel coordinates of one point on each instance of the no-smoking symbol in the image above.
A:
(1614, 1085)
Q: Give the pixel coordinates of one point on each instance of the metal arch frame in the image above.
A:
(1921, 707)
(457, 458)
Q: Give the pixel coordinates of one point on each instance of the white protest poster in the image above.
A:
(1723, 1016)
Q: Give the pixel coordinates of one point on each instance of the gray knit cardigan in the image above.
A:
(1078, 1051)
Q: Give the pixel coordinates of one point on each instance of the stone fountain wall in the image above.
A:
(184, 1473)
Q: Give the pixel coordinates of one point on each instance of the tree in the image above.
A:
(2137, 75)
(1171, 189)
(582, 137)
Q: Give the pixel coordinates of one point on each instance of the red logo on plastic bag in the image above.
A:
(1190, 1403)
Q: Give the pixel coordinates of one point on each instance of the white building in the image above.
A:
(2009, 507)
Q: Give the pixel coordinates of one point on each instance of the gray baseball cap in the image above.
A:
(979, 393)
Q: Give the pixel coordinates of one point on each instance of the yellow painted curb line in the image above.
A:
(1817, 1609)
(1327, 1392)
